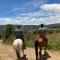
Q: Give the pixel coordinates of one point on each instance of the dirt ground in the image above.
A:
(8, 53)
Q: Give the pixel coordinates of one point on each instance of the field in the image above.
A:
(53, 36)
(53, 50)
(53, 40)
(29, 36)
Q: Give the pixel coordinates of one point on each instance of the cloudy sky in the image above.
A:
(29, 12)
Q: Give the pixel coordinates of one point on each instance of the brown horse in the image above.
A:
(40, 42)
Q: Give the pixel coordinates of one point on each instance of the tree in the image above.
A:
(9, 29)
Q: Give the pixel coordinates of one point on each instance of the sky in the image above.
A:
(29, 12)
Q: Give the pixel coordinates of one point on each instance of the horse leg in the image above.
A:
(17, 53)
(36, 51)
(40, 52)
(46, 44)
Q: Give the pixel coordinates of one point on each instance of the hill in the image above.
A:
(57, 25)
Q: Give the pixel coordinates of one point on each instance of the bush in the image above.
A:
(9, 40)
(8, 31)
(0, 35)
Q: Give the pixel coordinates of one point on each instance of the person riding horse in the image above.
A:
(41, 40)
(19, 35)
(42, 32)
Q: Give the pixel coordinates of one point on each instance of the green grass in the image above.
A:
(53, 40)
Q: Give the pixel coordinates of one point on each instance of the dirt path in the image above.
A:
(7, 53)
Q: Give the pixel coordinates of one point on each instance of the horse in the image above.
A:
(18, 47)
(40, 43)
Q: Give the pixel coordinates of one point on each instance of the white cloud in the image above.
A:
(32, 21)
(46, 21)
(15, 9)
(51, 7)
(33, 14)
(4, 21)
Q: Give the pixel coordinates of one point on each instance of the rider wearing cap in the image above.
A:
(19, 35)
(42, 32)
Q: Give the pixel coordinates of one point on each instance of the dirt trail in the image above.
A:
(7, 53)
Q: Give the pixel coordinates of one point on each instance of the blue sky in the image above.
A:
(29, 12)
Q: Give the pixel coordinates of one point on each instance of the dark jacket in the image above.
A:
(42, 31)
(19, 33)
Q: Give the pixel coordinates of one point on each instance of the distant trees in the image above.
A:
(9, 29)
(0, 35)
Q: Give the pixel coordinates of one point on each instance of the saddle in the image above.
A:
(40, 40)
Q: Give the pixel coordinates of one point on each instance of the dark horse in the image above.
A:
(40, 42)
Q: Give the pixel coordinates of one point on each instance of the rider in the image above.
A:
(42, 32)
(19, 34)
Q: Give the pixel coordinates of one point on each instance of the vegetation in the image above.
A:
(1, 35)
(53, 36)
(8, 33)
(53, 40)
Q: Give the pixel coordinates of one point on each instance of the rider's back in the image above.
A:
(42, 31)
(18, 33)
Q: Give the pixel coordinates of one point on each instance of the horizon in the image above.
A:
(32, 25)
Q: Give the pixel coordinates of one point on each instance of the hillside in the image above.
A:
(57, 25)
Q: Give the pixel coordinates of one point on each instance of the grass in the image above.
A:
(53, 40)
